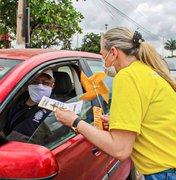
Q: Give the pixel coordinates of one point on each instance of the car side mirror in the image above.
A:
(22, 160)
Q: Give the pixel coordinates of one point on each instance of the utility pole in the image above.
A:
(27, 24)
(20, 39)
(23, 24)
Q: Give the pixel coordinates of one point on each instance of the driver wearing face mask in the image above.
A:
(25, 116)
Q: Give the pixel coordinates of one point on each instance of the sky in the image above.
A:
(154, 19)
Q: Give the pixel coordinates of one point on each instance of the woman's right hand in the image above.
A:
(105, 120)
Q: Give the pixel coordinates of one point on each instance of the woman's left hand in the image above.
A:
(66, 117)
(105, 120)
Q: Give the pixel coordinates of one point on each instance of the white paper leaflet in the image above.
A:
(52, 104)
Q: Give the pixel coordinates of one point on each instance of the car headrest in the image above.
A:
(63, 84)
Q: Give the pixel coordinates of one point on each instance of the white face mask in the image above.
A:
(110, 71)
(37, 91)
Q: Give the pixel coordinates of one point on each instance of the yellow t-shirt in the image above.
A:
(145, 103)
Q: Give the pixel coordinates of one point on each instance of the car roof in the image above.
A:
(32, 58)
(25, 54)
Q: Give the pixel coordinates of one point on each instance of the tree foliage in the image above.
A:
(7, 19)
(53, 22)
(170, 45)
(4, 37)
(91, 43)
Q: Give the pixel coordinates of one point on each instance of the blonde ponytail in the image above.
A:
(148, 55)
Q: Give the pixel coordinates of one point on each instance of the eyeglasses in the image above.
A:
(44, 82)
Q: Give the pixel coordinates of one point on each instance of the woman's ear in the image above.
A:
(114, 53)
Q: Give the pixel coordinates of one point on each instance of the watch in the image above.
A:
(75, 124)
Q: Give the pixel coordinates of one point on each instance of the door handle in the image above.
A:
(96, 151)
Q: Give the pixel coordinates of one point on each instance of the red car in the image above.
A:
(53, 151)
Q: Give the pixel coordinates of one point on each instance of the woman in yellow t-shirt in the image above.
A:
(142, 122)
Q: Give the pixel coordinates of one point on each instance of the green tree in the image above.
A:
(53, 22)
(170, 45)
(91, 43)
(4, 37)
(7, 19)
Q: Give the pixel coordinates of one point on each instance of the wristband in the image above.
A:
(75, 124)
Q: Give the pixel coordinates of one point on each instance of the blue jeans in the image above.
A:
(169, 174)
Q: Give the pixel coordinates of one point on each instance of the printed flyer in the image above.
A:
(52, 104)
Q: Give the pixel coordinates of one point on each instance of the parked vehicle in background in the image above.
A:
(171, 62)
(54, 151)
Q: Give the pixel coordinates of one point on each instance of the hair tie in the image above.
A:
(137, 39)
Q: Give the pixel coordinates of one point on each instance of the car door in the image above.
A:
(77, 158)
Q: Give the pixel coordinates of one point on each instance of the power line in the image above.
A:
(132, 21)
(108, 10)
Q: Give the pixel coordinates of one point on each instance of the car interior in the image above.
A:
(51, 133)
(63, 89)
(50, 130)
(67, 89)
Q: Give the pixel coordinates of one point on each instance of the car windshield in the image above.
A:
(6, 65)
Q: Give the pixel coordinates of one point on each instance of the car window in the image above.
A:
(51, 132)
(171, 64)
(6, 65)
(97, 66)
